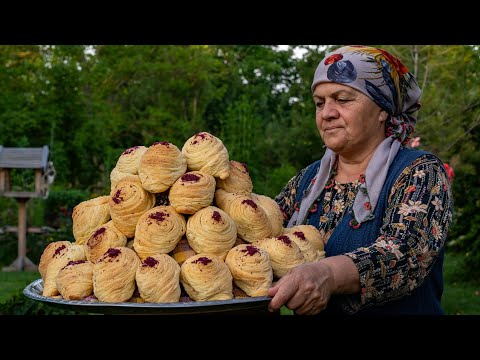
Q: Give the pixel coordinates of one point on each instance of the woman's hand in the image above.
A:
(307, 288)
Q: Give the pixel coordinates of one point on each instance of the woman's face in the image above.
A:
(348, 121)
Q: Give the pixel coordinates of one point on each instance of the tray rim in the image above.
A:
(32, 291)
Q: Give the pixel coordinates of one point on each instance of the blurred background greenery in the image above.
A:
(90, 103)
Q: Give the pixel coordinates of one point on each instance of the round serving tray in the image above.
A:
(251, 304)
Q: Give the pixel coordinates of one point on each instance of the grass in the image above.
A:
(13, 282)
(459, 297)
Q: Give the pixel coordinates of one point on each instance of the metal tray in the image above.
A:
(251, 305)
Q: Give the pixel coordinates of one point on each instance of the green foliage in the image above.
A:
(19, 304)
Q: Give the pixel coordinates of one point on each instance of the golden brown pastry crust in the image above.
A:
(75, 280)
(252, 221)
(211, 231)
(87, 216)
(306, 247)
(158, 279)
(311, 233)
(114, 275)
(183, 251)
(238, 181)
(205, 152)
(193, 191)
(158, 231)
(206, 278)
(116, 176)
(273, 211)
(103, 238)
(284, 254)
(160, 166)
(129, 160)
(128, 201)
(251, 269)
(60, 258)
(47, 256)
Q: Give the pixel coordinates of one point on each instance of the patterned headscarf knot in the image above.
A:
(379, 75)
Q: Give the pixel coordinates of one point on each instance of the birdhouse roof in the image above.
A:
(23, 158)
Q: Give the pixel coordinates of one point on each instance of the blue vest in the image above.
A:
(425, 299)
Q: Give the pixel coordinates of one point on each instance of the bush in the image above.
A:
(19, 304)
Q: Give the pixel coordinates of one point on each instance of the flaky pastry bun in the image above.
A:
(306, 247)
(311, 233)
(129, 161)
(206, 278)
(158, 231)
(211, 231)
(252, 221)
(75, 280)
(238, 181)
(87, 216)
(193, 191)
(160, 166)
(205, 152)
(251, 269)
(103, 238)
(284, 253)
(60, 258)
(116, 176)
(128, 201)
(158, 279)
(47, 256)
(273, 211)
(114, 275)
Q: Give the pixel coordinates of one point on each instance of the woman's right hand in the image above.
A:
(306, 288)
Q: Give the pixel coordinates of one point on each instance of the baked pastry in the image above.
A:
(60, 258)
(158, 231)
(211, 231)
(311, 233)
(251, 269)
(128, 201)
(160, 166)
(205, 152)
(252, 221)
(75, 280)
(206, 278)
(129, 161)
(103, 238)
(284, 254)
(238, 181)
(114, 275)
(192, 191)
(87, 216)
(47, 256)
(273, 211)
(116, 176)
(158, 279)
(182, 251)
(306, 247)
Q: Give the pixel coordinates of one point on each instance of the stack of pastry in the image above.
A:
(178, 225)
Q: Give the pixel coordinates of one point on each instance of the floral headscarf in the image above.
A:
(384, 79)
(379, 75)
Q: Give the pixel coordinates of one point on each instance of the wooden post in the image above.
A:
(22, 262)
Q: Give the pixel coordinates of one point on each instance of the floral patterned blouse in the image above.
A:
(402, 256)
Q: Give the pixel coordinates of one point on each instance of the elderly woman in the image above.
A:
(383, 209)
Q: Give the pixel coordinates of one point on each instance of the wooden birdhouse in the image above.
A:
(33, 159)
(25, 158)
